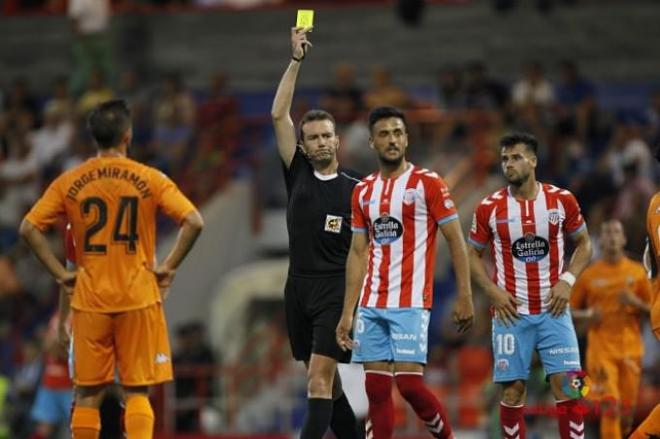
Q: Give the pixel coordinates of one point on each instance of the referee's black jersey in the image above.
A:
(318, 217)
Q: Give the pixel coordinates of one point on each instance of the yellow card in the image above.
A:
(305, 18)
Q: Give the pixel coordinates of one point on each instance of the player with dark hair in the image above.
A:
(612, 296)
(117, 292)
(397, 213)
(526, 225)
(318, 221)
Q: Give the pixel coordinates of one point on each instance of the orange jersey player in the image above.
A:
(613, 294)
(650, 427)
(117, 319)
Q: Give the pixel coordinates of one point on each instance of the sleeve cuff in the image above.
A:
(358, 230)
(476, 244)
(578, 230)
(447, 219)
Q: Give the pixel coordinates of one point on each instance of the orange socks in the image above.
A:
(85, 423)
(139, 417)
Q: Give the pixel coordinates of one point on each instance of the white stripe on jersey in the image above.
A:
(377, 252)
(497, 250)
(543, 229)
(396, 248)
(419, 260)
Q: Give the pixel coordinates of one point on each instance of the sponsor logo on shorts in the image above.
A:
(387, 229)
(575, 384)
(561, 351)
(162, 358)
(333, 223)
(530, 248)
(397, 337)
(405, 351)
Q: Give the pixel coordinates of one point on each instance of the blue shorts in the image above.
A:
(553, 337)
(391, 334)
(52, 406)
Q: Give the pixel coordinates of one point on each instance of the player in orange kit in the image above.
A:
(118, 322)
(650, 427)
(613, 294)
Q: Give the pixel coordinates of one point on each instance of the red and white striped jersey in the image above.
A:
(402, 216)
(527, 240)
(70, 247)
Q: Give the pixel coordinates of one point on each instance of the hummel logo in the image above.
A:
(509, 432)
(162, 358)
(576, 430)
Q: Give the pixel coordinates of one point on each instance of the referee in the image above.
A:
(319, 224)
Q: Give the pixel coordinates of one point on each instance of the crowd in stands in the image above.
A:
(605, 157)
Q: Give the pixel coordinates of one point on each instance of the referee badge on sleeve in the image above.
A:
(333, 223)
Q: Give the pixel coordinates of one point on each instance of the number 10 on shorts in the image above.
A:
(505, 344)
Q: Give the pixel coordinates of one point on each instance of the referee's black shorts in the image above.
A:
(313, 308)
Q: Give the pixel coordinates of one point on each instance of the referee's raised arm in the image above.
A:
(280, 112)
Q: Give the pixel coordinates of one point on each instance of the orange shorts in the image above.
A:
(134, 343)
(614, 379)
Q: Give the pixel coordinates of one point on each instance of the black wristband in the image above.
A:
(297, 59)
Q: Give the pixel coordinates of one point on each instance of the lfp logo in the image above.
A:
(575, 384)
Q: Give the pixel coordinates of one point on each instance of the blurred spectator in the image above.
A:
(219, 126)
(631, 204)
(173, 115)
(627, 147)
(193, 359)
(53, 139)
(19, 102)
(18, 186)
(451, 90)
(24, 387)
(533, 98)
(92, 49)
(137, 95)
(576, 102)
(482, 91)
(343, 99)
(653, 116)
(97, 91)
(61, 97)
(384, 92)
(533, 89)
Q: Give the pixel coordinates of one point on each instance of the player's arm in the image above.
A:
(39, 245)
(463, 314)
(356, 269)
(191, 226)
(504, 304)
(639, 297)
(561, 291)
(285, 131)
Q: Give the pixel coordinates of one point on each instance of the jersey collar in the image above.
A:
(324, 177)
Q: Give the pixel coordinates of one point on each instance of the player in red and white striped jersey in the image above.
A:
(526, 225)
(400, 272)
(397, 213)
(527, 240)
